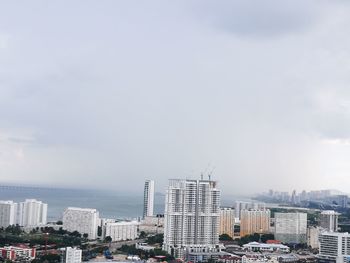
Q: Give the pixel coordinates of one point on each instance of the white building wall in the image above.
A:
(73, 255)
(291, 227)
(121, 230)
(83, 220)
(8, 213)
(148, 205)
(192, 214)
(334, 246)
(32, 213)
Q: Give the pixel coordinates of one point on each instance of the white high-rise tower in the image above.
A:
(148, 198)
(8, 213)
(32, 213)
(192, 217)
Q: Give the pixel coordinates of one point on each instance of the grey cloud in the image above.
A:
(158, 91)
(260, 18)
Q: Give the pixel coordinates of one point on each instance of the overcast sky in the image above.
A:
(109, 93)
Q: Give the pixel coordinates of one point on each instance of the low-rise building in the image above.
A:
(18, 253)
(262, 247)
(258, 259)
(120, 230)
(152, 224)
(72, 255)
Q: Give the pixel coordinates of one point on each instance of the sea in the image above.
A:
(110, 204)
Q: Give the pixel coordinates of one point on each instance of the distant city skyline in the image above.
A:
(256, 93)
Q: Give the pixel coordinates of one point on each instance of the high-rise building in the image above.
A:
(291, 227)
(255, 221)
(72, 255)
(32, 213)
(329, 220)
(8, 213)
(227, 221)
(192, 215)
(148, 198)
(242, 205)
(83, 220)
(334, 247)
(342, 201)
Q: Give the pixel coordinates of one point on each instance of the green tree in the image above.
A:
(225, 237)
(108, 239)
(142, 234)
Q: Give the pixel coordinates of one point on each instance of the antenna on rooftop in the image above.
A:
(211, 173)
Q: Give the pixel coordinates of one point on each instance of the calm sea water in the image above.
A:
(109, 204)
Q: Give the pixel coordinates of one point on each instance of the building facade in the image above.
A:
(334, 247)
(18, 253)
(255, 221)
(227, 221)
(152, 224)
(313, 237)
(191, 219)
(242, 205)
(83, 220)
(148, 198)
(262, 247)
(8, 213)
(329, 220)
(32, 213)
(291, 227)
(72, 255)
(119, 231)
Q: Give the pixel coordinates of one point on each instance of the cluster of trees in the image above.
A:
(156, 239)
(132, 250)
(51, 258)
(255, 238)
(60, 238)
(249, 238)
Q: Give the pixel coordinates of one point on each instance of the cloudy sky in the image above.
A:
(108, 93)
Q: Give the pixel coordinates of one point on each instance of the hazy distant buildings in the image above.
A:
(255, 221)
(329, 220)
(334, 247)
(291, 227)
(8, 213)
(192, 214)
(83, 220)
(32, 213)
(343, 201)
(148, 199)
(227, 221)
(120, 230)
